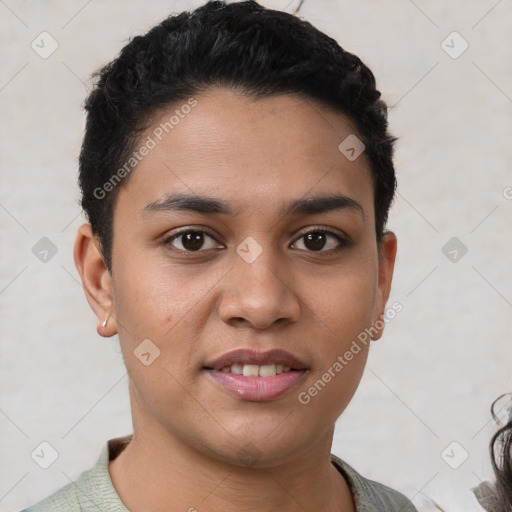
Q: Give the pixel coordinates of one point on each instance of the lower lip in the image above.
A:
(257, 389)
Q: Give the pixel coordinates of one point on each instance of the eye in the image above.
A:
(316, 239)
(192, 240)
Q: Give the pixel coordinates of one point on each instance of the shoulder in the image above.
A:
(370, 495)
(65, 499)
(92, 491)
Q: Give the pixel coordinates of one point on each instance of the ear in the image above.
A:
(96, 280)
(387, 255)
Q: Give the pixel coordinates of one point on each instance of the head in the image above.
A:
(275, 53)
(279, 139)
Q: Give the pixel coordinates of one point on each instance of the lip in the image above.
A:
(256, 389)
(251, 356)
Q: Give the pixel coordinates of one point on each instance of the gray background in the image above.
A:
(442, 361)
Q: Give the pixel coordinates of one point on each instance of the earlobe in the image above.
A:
(96, 280)
(387, 255)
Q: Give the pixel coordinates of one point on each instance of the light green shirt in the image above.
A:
(94, 491)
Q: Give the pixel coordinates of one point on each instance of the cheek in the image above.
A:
(344, 304)
(167, 304)
(343, 311)
(150, 298)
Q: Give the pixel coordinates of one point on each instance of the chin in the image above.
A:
(260, 447)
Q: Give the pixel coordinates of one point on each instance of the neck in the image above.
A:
(157, 472)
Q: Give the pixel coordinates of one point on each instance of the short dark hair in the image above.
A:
(242, 45)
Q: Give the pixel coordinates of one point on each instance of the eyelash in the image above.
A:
(343, 242)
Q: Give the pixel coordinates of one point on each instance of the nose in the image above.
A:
(259, 293)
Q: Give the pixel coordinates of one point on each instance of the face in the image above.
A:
(273, 274)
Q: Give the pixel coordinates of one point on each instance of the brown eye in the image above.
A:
(316, 241)
(191, 240)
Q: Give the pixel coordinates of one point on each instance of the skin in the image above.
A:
(191, 437)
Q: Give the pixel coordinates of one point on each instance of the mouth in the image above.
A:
(270, 362)
(256, 376)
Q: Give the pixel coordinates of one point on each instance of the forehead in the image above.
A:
(253, 152)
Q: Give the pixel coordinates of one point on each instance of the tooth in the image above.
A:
(267, 370)
(226, 369)
(237, 368)
(279, 369)
(286, 368)
(251, 370)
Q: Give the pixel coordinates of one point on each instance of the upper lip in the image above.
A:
(260, 358)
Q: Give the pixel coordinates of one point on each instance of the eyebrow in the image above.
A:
(211, 205)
